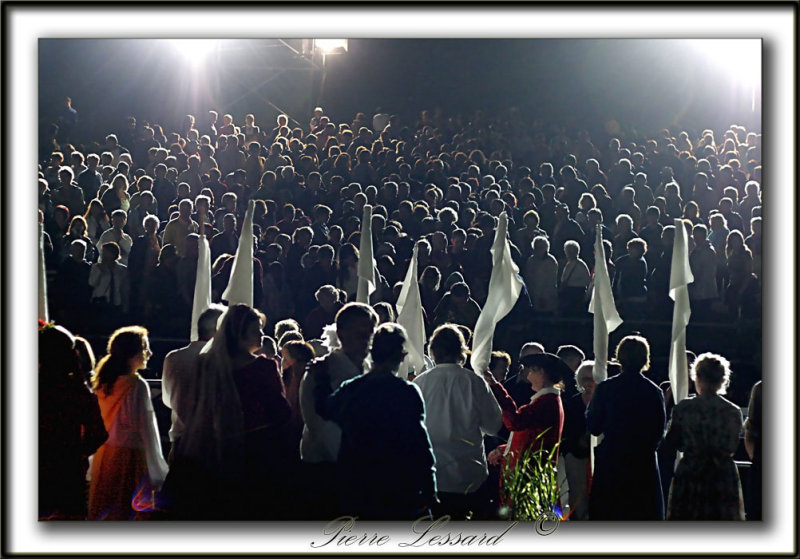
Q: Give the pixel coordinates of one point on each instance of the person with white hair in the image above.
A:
(706, 429)
(575, 441)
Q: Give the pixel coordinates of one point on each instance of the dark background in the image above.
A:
(643, 84)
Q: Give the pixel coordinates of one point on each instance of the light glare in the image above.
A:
(194, 51)
(738, 58)
(330, 46)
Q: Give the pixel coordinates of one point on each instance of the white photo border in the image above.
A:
(26, 23)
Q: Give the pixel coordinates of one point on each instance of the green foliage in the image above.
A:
(530, 489)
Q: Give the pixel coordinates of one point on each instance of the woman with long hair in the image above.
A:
(78, 230)
(97, 220)
(234, 449)
(70, 426)
(129, 468)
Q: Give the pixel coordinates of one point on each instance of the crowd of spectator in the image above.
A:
(123, 220)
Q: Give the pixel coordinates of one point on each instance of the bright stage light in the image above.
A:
(331, 46)
(738, 58)
(195, 51)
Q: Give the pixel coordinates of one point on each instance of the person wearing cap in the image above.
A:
(628, 410)
(539, 422)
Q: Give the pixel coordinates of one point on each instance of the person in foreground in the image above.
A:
(235, 439)
(386, 463)
(460, 410)
(129, 468)
(536, 425)
(70, 427)
(706, 429)
(628, 410)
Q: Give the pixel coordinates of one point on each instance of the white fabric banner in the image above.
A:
(606, 320)
(606, 317)
(202, 284)
(240, 285)
(43, 314)
(504, 289)
(366, 262)
(409, 315)
(679, 279)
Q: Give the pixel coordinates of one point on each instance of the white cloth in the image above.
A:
(135, 427)
(606, 317)
(409, 315)
(177, 378)
(459, 410)
(202, 286)
(321, 439)
(124, 241)
(679, 280)
(43, 314)
(366, 262)
(504, 289)
(240, 286)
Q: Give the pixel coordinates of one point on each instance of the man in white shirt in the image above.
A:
(116, 235)
(319, 446)
(459, 409)
(179, 372)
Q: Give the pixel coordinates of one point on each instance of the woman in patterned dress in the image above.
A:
(706, 429)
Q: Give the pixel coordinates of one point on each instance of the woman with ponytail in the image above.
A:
(129, 467)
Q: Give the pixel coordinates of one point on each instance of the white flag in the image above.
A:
(606, 320)
(366, 263)
(504, 289)
(240, 285)
(202, 284)
(606, 317)
(409, 315)
(43, 314)
(679, 279)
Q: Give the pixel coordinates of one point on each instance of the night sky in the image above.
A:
(646, 84)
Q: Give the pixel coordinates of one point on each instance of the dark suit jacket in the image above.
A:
(628, 410)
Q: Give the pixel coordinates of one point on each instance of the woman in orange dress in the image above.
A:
(129, 468)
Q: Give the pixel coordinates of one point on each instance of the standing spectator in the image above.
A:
(178, 229)
(575, 279)
(460, 410)
(575, 442)
(541, 278)
(752, 444)
(129, 466)
(321, 440)
(706, 429)
(630, 280)
(70, 427)
(117, 235)
(628, 410)
(703, 263)
(381, 403)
